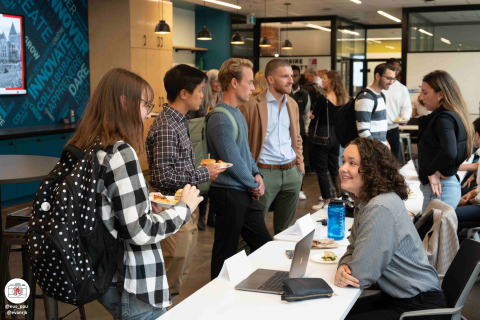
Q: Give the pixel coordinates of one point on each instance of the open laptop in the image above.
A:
(271, 281)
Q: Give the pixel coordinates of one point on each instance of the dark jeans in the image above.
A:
(325, 162)
(393, 137)
(236, 213)
(382, 306)
(468, 216)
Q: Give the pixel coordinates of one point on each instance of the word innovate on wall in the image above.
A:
(57, 60)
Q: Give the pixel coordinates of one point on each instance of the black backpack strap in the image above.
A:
(73, 150)
(120, 272)
(375, 100)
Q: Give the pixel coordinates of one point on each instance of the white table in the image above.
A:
(411, 127)
(321, 232)
(219, 300)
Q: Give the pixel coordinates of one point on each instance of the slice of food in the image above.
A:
(401, 119)
(158, 197)
(208, 163)
(329, 256)
(178, 194)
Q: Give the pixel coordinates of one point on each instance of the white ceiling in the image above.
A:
(366, 12)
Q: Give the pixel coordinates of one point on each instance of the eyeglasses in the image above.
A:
(392, 80)
(149, 106)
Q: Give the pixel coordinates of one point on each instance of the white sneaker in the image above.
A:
(317, 206)
(302, 196)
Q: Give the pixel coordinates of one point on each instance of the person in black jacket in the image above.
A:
(445, 138)
(325, 157)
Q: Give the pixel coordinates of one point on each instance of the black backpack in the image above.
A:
(345, 122)
(73, 256)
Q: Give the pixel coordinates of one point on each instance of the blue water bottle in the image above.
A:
(336, 220)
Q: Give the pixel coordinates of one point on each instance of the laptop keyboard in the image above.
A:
(275, 282)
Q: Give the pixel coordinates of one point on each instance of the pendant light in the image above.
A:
(162, 27)
(287, 45)
(237, 37)
(265, 43)
(204, 34)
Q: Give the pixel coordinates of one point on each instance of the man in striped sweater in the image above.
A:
(374, 125)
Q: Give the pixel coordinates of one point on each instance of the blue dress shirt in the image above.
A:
(277, 148)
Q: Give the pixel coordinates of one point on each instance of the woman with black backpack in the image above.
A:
(114, 116)
(324, 147)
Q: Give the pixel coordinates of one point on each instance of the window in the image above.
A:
(309, 38)
(384, 43)
(444, 31)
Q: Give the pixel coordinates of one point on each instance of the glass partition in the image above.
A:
(350, 40)
(444, 31)
(384, 43)
(309, 38)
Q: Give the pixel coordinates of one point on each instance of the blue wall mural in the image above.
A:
(57, 62)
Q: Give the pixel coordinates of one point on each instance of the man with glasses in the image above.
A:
(399, 106)
(369, 124)
(171, 161)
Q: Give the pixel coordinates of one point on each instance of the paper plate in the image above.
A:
(226, 165)
(164, 204)
(318, 258)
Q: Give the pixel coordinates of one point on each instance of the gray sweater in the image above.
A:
(222, 146)
(385, 248)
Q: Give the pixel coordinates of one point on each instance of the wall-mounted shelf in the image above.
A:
(192, 49)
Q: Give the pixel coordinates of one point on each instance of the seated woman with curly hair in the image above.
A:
(385, 248)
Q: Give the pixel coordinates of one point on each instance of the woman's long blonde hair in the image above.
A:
(212, 76)
(260, 83)
(452, 100)
(107, 118)
(337, 86)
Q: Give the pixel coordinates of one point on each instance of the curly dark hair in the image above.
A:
(379, 169)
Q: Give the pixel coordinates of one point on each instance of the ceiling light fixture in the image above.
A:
(237, 37)
(226, 4)
(393, 38)
(356, 1)
(204, 34)
(445, 40)
(162, 27)
(426, 32)
(318, 27)
(265, 43)
(389, 16)
(287, 45)
(349, 32)
(389, 47)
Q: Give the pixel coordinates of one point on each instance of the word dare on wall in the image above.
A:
(57, 62)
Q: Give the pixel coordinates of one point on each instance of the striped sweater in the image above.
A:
(369, 126)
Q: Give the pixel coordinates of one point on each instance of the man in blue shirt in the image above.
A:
(235, 192)
(275, 142)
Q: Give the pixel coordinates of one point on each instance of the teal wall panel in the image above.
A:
(218, 22)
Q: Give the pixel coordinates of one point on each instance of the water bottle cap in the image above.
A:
(336, 202)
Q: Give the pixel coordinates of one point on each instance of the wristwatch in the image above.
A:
(258, 173)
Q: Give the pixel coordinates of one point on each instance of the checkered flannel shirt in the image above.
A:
(170, 154)
(126, 206)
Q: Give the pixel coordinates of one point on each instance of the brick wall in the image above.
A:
(274, 35)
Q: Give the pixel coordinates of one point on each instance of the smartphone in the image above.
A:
(290, 253)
